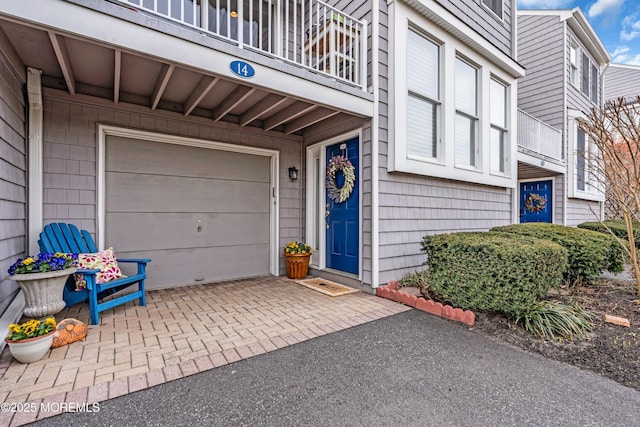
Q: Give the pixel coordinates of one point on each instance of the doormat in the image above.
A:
(327, 287)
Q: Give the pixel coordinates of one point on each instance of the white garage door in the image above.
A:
(199, 214)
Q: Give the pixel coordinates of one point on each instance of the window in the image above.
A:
(466, 122)
(495, 6)
(574, 54)
(498, 132)
(423, 104)
(581, 161)
(585, 74)
(594, 84)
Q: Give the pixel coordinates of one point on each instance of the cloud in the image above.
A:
(544, 4)
(624, 55)
(605, 7)
(630, 28)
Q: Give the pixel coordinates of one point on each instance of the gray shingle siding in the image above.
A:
(540, 51)
(482, 20)
(576, 99)
(13, 179)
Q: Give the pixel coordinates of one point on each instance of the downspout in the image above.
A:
(565, 127)
(35, 161)
(515, 196)
(602, 101)
(375, 121)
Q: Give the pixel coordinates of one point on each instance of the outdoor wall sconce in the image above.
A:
(293, 173)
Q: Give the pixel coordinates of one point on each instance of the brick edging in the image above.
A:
(390, 291)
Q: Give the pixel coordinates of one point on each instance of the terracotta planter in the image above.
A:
(297, 265)
(43, 291)
(32, 349)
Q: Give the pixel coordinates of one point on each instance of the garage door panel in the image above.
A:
(171, 268)
(125, 154)
(167, 230)
(199, 214)
(132, 192)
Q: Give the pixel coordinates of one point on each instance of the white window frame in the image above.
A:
(504, 161)
(406, 18)
(500, 13)
(435, 102)
(472, 116)
(593, 190)
(574, 64)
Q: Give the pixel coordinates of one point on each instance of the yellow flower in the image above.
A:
(28, 261)
(14, 328)
(50, 321)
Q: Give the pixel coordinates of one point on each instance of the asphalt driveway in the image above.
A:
(409, 369)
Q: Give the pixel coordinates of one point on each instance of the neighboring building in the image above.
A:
(622, 81)
(565, 60)
(169, 134)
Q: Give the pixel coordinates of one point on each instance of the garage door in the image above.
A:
(199, 214)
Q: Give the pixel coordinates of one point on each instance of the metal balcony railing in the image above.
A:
(538, 137)
(309, 33)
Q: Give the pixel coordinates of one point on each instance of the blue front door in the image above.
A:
(343, 207)
(536, 199)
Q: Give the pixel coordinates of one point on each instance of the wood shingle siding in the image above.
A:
(13, 179)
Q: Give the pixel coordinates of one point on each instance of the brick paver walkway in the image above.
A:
(180, 332)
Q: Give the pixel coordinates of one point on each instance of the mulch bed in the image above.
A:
(609, 350)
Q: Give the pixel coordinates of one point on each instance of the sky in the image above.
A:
(617, 23)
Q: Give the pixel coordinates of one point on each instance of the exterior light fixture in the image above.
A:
(293, 173)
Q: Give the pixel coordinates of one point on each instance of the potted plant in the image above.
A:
(31, 340)
(42, 280)
(297, 256)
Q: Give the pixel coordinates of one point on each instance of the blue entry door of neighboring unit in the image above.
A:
(343, 219)
(532, 194)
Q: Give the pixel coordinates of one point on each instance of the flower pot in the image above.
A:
(31, 349)
(297, 265)
(43, 291)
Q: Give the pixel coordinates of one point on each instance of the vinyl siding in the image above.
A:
(482, 20)
(13, 180)
(70, 157)
(540, 51)
(621, 81)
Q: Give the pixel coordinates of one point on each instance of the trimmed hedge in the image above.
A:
(590, 252)
(492, 271)
(617, 227)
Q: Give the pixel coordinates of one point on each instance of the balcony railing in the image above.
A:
(538, 137)
(309, 33)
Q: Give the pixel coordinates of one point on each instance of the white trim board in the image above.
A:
(106, 130)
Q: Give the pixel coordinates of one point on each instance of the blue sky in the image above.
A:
(617, 23)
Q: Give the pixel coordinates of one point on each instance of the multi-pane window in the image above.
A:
(585, 74)
(498, 131)
(423, 101)
(574, 57)
(466, 122)
(495, 6)
(581, 161)
(594, 84)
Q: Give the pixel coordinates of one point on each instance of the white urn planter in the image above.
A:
(31, 349)
(43, 291)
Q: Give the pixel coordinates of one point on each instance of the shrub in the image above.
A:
(553, 320)
(492, 271)
(590, 252)
(617, 227)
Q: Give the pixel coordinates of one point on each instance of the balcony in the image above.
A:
(538, 139)
(308, 33)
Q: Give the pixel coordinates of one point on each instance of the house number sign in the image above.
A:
(242, 69)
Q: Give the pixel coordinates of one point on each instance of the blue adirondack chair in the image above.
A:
(60, 237)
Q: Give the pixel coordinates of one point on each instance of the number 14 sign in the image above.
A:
(242, 69)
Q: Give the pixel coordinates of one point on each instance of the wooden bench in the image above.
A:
(61, 237)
